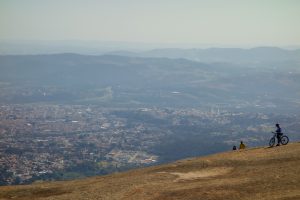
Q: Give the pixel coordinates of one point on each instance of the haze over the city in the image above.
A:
(189, 23)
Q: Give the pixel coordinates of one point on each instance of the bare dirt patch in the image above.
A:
(205, 173)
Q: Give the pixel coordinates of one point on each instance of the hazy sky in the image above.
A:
(224, 22)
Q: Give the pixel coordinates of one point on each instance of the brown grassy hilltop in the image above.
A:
(258, 173)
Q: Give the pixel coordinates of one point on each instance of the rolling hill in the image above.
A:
(257, 173)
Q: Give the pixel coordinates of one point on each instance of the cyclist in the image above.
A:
(278, 134)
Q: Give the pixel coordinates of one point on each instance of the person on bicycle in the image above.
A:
(278, 134)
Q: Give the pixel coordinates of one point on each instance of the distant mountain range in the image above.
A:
(200, 53)
(228, 55)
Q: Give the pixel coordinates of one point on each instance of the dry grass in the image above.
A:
(260, 173)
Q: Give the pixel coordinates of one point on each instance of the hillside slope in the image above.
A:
(259, 173)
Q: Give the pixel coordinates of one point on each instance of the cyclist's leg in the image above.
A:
(278, 139)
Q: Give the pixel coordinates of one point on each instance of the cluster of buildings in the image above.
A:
(40, 139)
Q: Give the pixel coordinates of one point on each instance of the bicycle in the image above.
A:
(283, 139)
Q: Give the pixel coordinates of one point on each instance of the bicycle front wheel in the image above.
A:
(272, 142)
(284, 140)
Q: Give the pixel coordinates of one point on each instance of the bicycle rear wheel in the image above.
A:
(272, 142)
(284, 140)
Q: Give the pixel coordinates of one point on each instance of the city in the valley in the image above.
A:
(58, 142)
